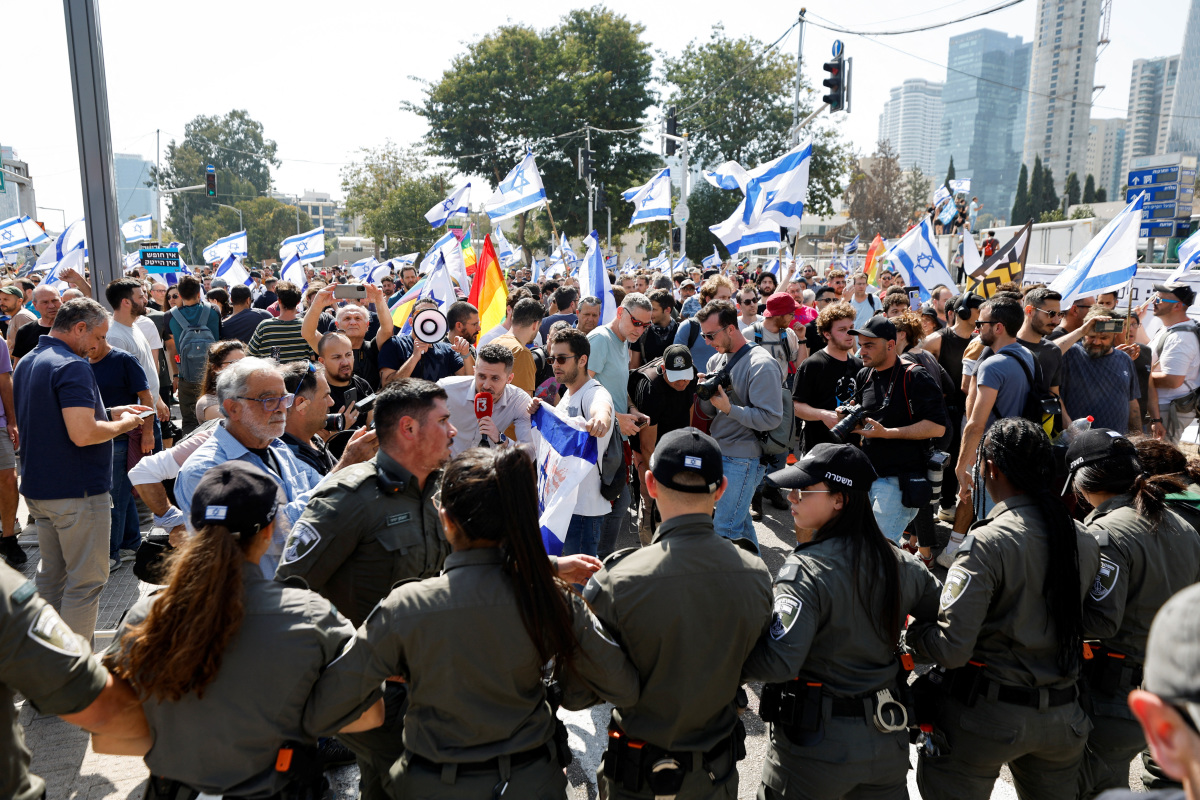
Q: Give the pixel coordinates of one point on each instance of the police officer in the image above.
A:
(224, 658)
(688, 608)
(53, 668)
(1009, 634)
(835, 690)
(373, 525)
(1147, 553)
(475, 645)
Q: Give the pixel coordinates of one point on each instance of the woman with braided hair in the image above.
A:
(1147, 553)
(1009, 633)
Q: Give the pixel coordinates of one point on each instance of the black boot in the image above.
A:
(756, 506)
(775, 497)
(11, 552)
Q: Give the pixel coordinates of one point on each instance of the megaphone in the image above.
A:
(430, 326)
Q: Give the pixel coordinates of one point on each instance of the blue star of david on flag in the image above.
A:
(457, 203)
(520, 191)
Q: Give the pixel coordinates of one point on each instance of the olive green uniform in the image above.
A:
(478, 714)
(821, 633)
(366, 528)
(227, 742)
(1142, 563)
(1024, 710)
(688, 609)
(45, 661)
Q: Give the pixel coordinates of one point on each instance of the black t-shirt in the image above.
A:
(667, 408)
(912, 396)
(27, 338)
(816, 384)
(812, 337)
(241, 325)
(366, 363)
(655, 341)
(338, 395)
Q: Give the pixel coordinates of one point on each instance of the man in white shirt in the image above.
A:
(864, 302)
(1175, 367)
(128, 300)
(510, 405)
(589, 402)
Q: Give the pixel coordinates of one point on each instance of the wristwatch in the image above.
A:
(1153, 420)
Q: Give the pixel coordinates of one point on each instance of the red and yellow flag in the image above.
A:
(468, 252)
(488, 291)
(873, 252)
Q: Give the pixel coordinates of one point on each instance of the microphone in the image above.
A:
(483, 408)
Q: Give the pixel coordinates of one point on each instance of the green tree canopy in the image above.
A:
(391, 189)
(1072, 189)
(876, 196)
(916, 190)
(1089, 189)
(1021, 212)
(950, 171)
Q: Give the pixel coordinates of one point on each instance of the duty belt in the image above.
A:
(635, 764)
(488, 765)
(968, 683)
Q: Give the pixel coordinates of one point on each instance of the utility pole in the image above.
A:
(796, 99)
(588, 177)
(158, 184)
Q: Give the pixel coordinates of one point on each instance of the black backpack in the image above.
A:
(1042, 407)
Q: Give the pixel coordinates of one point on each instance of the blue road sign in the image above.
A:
(1163, 193)
(1171, 209)
(837, 47)
(209, 168)
(1157, 175)
(1159, 229)
(160, 259)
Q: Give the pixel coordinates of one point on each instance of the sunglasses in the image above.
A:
(981, 323)
(561, 359)
(637, 323)
(708, 337)
(1052, 314)
(749, 301)
(801, 492)
(1158, 300)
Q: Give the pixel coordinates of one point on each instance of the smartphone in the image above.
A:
(147, 414)
(350, 397)
(350, 291)
(914, 297)
(1110, 325)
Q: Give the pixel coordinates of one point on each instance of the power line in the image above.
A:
(998, 7)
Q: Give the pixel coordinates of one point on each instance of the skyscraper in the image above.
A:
(134, 197)
(1183, 131)
(910, 121)
(1106, 155)
(1060, 86)
(983, 115)
(1151, 95)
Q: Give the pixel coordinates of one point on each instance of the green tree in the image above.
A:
(735, 103)
(1083, 212)
(1102, 195)
(518, 88)
(1053, 215)
(1049, 196)
(916, 190)
(1089, 189)
(1020, 210)
(242, 156)
(950, 171)
(707, 206)
(268, 222)
(391, 189)
(1036, 190)
(876, 197)
(1072, 189)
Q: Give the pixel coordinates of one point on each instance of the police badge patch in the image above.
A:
(783, 617)
(303, 539)
(957, 580)
(1106, 579)
(51, 632)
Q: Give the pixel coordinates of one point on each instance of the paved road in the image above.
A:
(64, 758)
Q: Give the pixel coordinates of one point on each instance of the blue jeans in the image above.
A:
(731, 517)
(583, 535)
(612, 523)
(890, 514)
(125, 534)
(777, 462)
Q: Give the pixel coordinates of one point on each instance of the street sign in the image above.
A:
(837, 47)
(159, 259)
(1156, 175)
(1160, 194)
(1159, 229)
(681, 214)
(1163, 160)
(1170, 209)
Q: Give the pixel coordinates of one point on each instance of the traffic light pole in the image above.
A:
(90, 93)
(588, 178)
(796, 99)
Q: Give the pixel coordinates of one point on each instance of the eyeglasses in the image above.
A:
(826, 299)
(561, 359)
(272, 404)
(981, 323)
(708, 337)
(801, 492)
(1158, 300)
(1051, 314)
(749, 301)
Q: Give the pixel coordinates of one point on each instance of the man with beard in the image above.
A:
(336, 352)
(11, 304)
(510, 405)
(1100, 381)
(353, 321)
(128, 301)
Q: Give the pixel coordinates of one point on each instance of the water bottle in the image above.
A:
(1074, 429)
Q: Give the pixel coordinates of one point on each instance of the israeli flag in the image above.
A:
(18, 232)
(852, 247)
(377, 273)
(1189, 257)
(293, 271)
(948, 212)
(310, 246)
(73, 259)
(713, 261)
(777, 190)
(517, 257)
(681, 264)
(539, 267)
(360, 268)
(457, 203)
(730, 175)
(738, 237)
(133, 261)
(916, 254)
(1108, 261)
(593, 280)
(566, 454)
(610, 262)
(568, 255)
(137, 230)
(504, 250)
(429, 261)
(660, 262)
(772, 268)
(942, 193)
(235, 244)
(73, 238)
(521, 190)
(630, 266)
(406, 260)
(961, 186)
(233, 272)
(651, 201)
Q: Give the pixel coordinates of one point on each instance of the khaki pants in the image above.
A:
(73, 540)
(189, 393)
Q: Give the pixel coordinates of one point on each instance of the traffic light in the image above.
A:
(210, 181)
(676, 239)
(587, 166)
(837, 89)
(672, 130)
(600, 197)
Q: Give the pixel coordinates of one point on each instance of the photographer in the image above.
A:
(899, 409)
(742, 393)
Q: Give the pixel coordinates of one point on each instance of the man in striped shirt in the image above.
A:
(284, 332)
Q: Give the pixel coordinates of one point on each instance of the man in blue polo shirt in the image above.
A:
(412, 358)
(66, 460)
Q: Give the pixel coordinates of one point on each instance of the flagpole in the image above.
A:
(553, 229)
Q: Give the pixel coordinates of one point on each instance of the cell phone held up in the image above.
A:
(1110, 325)
(350, 291)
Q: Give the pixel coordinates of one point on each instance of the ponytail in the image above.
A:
(177, 649)
(1122, 474)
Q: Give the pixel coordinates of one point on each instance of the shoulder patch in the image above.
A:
(1106, 579)
(1101, 536)
(52, 633)
(784, 614)
(957, 580)
(616, 556)
(591, 589)
(300, 542)
(25, 591)
(788, 572)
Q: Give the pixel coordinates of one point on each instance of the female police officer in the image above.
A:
(1009, 632)
(1147, 553)
(224, 659)
(840, 599)
(475, 644)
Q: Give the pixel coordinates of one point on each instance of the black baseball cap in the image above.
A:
(677, 363)
(929, 310)
(1096, 444)
(877, 327)
(255, 274)
(1185, 293)
(235, 494)
(687, 450)
(1172, 668)
(841, 465)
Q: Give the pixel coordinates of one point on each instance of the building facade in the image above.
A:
(17, 196)
(1061, 80)
(1106, 155)
(1151, 97)
(134, 197)
(911, 121)
(1183, 130)
(983, 115)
